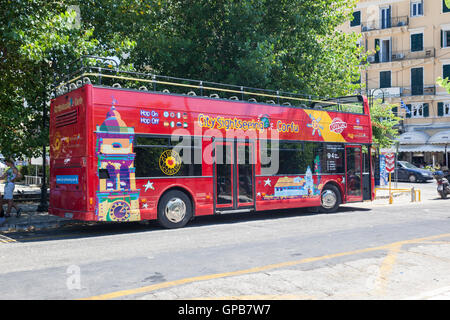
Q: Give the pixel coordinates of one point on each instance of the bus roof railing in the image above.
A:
(105, 72)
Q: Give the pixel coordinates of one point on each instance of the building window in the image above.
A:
(417, 110)
(444, 109)
(416, 8)
(416, 81)
(385, 79)
(446, 71)
(445, 38)
(444, 7)
(385, 50)
(385, 14)
(417, 42)
(447, 109)
(356, 19)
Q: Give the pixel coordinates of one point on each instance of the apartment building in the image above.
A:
(409, 42)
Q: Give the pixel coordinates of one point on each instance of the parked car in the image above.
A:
(406, 171)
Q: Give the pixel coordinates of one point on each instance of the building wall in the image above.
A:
(400, 59)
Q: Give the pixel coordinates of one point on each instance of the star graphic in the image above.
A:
(145, 205)
(267, 182)
(149, 185)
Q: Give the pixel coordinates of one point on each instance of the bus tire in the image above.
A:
(174, 209)
(330, 199)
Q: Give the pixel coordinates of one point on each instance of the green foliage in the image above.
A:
(383, 122)
(291, 45)
(445, 83)
(38, 36)
(272, 44)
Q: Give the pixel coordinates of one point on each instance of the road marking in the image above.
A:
(386, 268)
(5, 239)
(168, 284)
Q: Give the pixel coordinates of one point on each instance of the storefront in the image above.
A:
(442, 140)
(419, 149)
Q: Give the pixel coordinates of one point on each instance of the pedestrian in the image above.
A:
(10, 176)
(2, 217)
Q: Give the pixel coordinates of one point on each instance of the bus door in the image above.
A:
(353, 173)
(234, 175)
(367, 172)
(245, 174)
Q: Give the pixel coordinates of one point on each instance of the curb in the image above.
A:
(44, 223)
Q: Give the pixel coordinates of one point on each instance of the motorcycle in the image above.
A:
(443, 187)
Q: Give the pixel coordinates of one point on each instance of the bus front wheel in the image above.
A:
(330, 199)
(174, 209)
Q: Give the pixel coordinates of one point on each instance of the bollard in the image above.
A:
(413, 195)
(390, 190)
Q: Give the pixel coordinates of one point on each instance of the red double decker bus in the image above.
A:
(145, 152)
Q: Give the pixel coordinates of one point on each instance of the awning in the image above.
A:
(421, 148)
(413, 137)
(442, 137)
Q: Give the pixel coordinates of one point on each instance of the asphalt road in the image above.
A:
(365, 251)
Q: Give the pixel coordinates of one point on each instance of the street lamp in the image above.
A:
(43, 206)
(371, 96)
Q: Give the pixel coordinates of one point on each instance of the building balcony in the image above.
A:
(399, 56)
(398, 92)
(381, 24)
(427, 90)
(408, 55)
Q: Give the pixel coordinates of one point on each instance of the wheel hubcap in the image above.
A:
(175, 210)
(329, 199)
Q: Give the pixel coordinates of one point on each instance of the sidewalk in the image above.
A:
(31, 219)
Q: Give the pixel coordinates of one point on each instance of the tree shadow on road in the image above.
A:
(79, 230)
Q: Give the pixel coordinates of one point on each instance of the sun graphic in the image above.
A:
(171, 162)
(315, 125)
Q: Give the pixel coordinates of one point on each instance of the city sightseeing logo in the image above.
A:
(338, 125)
(170, 162)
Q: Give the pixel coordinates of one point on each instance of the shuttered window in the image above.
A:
(444, 7)
(385, 79)
(446, 71)
(417, 42)
(356, 19)
(416, 81)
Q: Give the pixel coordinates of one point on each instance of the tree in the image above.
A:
(291, 45)
(445, 83)
(271, 44)
(384, 121)
(38, 36)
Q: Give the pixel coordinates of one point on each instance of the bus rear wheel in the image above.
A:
(330, 199)
(174, 209)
